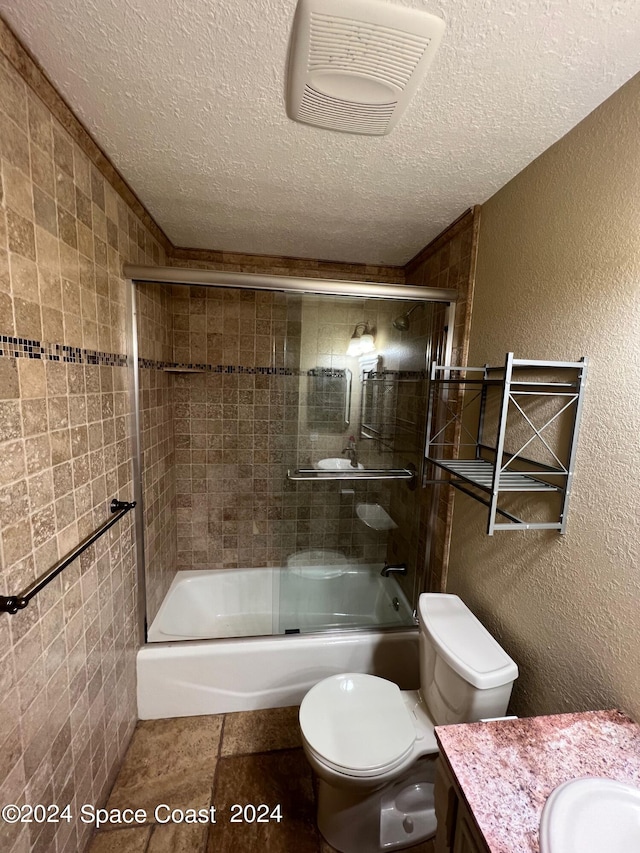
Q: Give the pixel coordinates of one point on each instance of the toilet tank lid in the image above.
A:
(463, 641)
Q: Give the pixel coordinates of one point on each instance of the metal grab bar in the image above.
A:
(13, 603)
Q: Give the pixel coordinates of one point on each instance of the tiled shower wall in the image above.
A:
(237, 415)
(449, 261)
(304, 516)
(67, 662)
(234, 425)
(283, 266)
(154, 320)
(327, 326)
(428, 326)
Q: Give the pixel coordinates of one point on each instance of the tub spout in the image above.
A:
(394, 569)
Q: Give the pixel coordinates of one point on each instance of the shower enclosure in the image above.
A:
(280, 477)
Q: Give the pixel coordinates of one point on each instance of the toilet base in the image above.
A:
(394, 817)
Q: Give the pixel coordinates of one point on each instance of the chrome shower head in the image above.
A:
(401, 323)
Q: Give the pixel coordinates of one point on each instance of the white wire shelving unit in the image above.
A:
(460, 398)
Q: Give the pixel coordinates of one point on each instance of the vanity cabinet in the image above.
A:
(456, 832)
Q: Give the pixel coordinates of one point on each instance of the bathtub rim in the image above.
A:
(329, 632)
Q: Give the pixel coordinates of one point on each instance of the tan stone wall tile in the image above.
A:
(17, 191)
(42, 170)
(5, 283)
(47, 250)
(21, 235)
(45, 213)
(14, 144)
(56, 479)
(24, 277)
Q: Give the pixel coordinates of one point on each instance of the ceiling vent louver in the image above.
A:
(355, 64)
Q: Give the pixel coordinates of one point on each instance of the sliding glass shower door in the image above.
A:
(280, 451)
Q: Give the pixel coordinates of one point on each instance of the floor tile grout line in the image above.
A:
(148, 844)
(261, 751)
(212, 799)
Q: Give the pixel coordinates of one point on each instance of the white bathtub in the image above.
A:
(212, 676)
(256, 602)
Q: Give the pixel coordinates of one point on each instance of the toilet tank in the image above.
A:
(465, 675)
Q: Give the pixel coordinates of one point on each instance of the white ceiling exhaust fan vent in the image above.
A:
(355, 64)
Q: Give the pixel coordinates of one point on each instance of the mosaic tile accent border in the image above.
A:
(326, 372)
(153, 364)
(417, 375)
(11, 347)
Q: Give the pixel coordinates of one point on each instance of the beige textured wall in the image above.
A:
(559, 276)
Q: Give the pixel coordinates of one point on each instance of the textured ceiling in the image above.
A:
(187, 99)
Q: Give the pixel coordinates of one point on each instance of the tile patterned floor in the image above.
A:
(192, 762)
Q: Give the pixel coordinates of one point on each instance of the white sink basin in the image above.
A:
(336, 463)
(591, 815)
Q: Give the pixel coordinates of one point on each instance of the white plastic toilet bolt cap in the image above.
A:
(358, 723)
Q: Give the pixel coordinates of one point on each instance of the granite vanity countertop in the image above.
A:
(506, 769)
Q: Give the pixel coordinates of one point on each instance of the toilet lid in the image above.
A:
(357, 722)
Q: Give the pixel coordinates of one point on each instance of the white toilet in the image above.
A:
(373, 746)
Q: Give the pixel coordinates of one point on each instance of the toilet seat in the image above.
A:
(357, 724)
